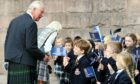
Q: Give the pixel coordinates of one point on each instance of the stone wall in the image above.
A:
(77, 16)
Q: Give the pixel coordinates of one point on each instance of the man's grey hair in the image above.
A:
(35, 4)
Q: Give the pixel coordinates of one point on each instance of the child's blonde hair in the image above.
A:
(138, 39)
(107, 39)
(126, 61)
(116, 48)
(59, 41)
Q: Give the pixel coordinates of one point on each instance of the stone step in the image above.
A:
(2, 70)
(3, 79)
(53, 79)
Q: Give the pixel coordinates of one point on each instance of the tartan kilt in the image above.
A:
(43, 71)
(65, 78)
(59, 71)
(21, 74)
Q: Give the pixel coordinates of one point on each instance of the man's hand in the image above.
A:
(46, 58)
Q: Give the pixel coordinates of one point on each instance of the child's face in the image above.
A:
(58, 42)
(129, 42)
(68, 46)
(78, 51)
(108, 51)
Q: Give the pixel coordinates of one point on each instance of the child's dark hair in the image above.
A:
(69, 41)
(77, 38)
(68, 38)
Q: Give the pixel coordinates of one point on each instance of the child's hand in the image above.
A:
(98, 82)
(66, 61)
(110, 69)
(136, 72)
(107, 56)
(100, 67)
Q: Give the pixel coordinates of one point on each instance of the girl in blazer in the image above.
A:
(125, 73)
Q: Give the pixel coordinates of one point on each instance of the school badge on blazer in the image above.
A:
(77, 71)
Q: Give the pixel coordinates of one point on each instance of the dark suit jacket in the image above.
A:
(81, 78)
(21, 41)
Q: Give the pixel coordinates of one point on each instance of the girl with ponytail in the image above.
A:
(125, 73)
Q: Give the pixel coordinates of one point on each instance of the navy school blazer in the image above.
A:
(81, 78)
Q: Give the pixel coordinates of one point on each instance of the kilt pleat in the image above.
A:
(42, 71)
(21, 74)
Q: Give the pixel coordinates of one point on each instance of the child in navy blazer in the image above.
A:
(125, 73)
(76, 68)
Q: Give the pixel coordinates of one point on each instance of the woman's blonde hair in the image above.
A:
(54, 25)
(126, 61)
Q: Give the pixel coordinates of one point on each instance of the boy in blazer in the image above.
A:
(76, 69)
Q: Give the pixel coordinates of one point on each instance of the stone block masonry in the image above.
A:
(77, 16)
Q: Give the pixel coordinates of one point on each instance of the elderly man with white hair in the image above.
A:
(21, 50)
(45, 42)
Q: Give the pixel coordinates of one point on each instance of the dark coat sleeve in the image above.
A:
(31, 42)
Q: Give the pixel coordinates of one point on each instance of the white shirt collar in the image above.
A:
(119, 71)
(29, 14)
(79, 57)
